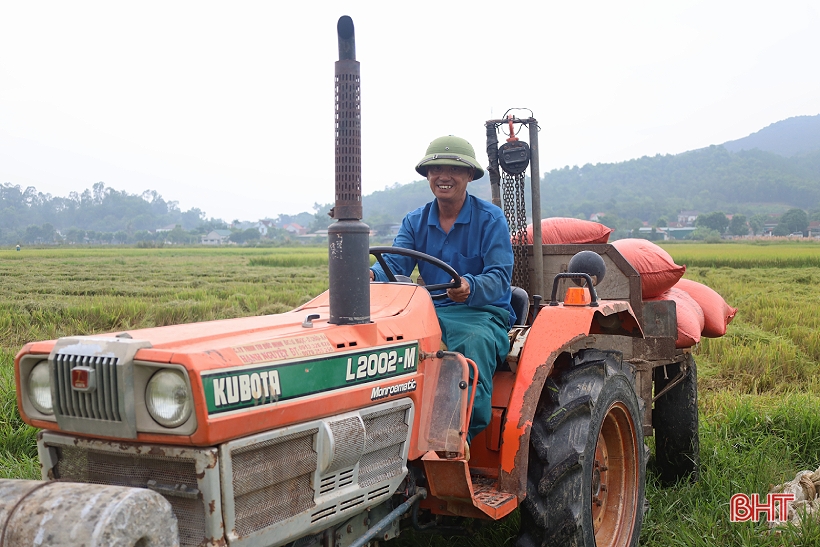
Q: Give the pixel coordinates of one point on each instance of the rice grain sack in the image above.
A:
(717, 313)
(690, 316)
(658, 271)
(561, 230)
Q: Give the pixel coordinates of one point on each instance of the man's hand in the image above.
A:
(372, 276)
(460, 294)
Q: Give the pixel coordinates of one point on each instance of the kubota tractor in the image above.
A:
(342, 422)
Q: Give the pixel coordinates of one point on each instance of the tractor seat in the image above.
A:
(520, 303)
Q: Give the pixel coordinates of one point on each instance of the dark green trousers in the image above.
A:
(479, 334)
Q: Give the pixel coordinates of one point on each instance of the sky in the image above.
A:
(229, 106)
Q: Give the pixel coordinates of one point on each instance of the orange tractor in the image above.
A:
(342, 422)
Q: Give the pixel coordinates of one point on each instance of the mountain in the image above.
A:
(709, 179)
(789, 137)
(770, 171)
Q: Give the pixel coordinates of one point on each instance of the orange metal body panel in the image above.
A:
(492, 440)
(484, 449)
(400, 313)
(554, 329)
(450, 482)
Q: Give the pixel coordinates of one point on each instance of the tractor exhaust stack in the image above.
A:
(348, 237)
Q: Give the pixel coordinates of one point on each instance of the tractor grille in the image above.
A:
(102, 403)
(349, 436)
(90, 466)
(380, 465)
(272, 480)
(384, 445)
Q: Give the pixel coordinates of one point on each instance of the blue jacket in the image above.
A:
(477, 247)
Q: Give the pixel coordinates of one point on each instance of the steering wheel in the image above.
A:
(454, 284)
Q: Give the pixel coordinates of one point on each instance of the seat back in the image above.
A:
(520, 303)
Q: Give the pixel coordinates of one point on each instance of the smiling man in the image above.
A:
(472, 236)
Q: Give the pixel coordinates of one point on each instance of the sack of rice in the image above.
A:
(658, 271)
(717, 313)
(560, 230)
(690, 316)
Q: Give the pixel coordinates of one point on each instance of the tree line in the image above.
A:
(652, 190)
(625, 196)
(716, 224)
(101, 215)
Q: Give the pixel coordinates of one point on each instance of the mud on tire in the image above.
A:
(587, 465)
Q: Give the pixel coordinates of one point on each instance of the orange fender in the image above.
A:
(554, 329)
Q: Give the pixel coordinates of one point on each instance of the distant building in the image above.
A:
(294, 229)
(165, 228)
(390, 229)
(768, 228)
(687, 218)
(682, 232)
(216, 237)
(653, 234)
(264, 226)
(666, 233)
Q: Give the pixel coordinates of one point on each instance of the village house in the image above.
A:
(264, 226)
(216, 237)
(687, 218)
(294, 229)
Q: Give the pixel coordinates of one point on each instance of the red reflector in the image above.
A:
(79, 378)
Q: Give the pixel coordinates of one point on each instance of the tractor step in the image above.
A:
(463, 494)
(486, 492)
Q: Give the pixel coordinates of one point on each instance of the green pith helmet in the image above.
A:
(450, 150)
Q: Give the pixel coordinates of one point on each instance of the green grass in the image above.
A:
(757, 254)
(758, 386)
(747, 444)
(773, 344)
(308, 257)
(45, 294)
(18, 445)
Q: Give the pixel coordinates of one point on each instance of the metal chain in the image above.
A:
(516, 212)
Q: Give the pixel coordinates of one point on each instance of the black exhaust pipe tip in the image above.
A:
(347, 39)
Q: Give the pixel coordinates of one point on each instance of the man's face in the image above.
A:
(449, 182)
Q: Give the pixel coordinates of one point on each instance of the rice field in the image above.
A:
(758, 385)
(757, 253)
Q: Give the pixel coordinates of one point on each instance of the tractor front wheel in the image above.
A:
(587, 466)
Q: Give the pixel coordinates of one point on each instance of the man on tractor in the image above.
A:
(470, 235)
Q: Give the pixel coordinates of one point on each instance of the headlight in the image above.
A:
(39, 388)
(167, 398)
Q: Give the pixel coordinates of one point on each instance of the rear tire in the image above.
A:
(675, 419)
(587, 465)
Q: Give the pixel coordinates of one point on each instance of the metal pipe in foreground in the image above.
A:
(492, 168)
(348, 238)
(84, 514)
(535, 186)
(384, 523)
